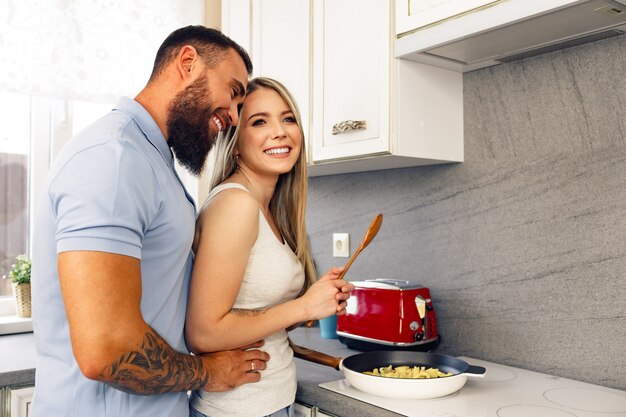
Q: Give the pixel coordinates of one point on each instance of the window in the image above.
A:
(14, 152)
(34, 131)
(85, 54)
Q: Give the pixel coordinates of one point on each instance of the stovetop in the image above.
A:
(505, 392)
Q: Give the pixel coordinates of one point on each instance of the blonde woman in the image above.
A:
(253, 276)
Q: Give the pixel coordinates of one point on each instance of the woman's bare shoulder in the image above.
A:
(230, 205)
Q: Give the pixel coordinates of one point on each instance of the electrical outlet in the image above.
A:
(341, 245)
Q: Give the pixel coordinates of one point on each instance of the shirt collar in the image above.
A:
(147, 125)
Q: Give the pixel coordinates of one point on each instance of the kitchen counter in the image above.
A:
(503, 391)
(18, 359)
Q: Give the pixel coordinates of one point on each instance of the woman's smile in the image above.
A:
(280, 151)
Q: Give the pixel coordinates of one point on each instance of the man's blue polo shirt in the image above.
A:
(112, 189)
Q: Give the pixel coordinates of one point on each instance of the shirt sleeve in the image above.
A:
(104, 199)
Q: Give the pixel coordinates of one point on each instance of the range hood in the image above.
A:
(460, 44)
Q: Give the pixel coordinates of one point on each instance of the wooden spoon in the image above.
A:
(371, 232)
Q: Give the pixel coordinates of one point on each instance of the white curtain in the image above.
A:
(93, 50)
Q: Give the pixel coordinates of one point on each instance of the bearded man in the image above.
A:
(114, 228)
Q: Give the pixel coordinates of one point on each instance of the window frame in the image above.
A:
(39, 157)
(51, 127)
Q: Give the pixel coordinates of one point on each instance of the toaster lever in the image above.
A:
(420, 304)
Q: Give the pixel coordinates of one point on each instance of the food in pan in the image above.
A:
(415, 372)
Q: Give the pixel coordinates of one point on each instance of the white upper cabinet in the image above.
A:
(236, 22)
(363, 109)
(351, 56)
(371, 111)
(280, 47)
(414, 14)
(276, 34)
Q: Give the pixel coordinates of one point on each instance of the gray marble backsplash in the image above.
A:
(523, 245)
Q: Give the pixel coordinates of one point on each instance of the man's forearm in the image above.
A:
(154, 367)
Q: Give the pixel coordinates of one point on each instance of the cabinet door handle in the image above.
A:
(348, 126)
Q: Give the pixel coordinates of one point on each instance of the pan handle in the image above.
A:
(314, 356)
(476, 371)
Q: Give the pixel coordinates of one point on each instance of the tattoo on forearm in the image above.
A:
(156, 368)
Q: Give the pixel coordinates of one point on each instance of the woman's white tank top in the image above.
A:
(273, 276)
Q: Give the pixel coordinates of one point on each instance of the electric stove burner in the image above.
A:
(522, 410)
(587, 399)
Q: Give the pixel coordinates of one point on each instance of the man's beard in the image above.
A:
(188, 126)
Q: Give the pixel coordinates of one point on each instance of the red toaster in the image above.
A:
(387, 314)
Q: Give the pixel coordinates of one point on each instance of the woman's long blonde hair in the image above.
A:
(288, 204)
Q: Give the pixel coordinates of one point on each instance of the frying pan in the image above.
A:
(397, 388)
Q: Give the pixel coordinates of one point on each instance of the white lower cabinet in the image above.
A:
(301, 410)
(320, 413)
(19, 400)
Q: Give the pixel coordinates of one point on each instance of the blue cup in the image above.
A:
(328, 327)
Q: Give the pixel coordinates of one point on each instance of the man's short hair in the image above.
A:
(211, 45)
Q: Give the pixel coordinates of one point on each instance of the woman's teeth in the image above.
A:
(277, 151)
(217, 122)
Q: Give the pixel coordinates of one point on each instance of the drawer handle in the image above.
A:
(349, 125)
